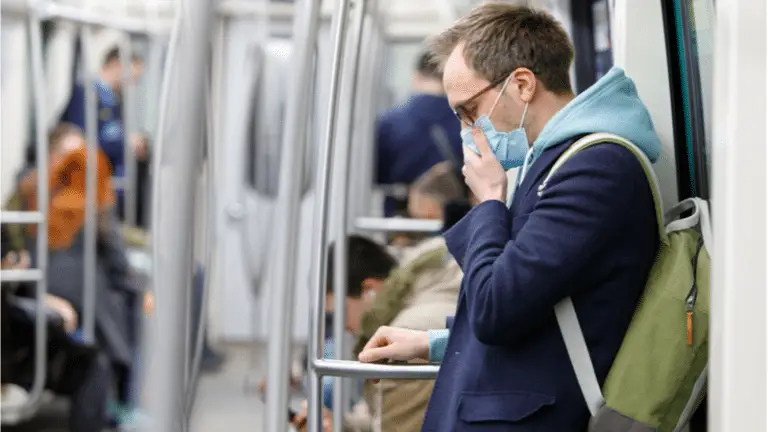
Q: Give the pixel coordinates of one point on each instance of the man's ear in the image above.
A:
(526, 83)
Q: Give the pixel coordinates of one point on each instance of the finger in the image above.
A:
(482, 144)
(378, 339)
(472, 159)
(376, 354)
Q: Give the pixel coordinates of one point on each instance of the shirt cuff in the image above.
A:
(438, 340)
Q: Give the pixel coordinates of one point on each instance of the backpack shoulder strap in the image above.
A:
(603, 138)
(565, 312)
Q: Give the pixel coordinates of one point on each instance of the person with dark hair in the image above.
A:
(415, 294)
(368, 267)
(111, 133)
(413, 137)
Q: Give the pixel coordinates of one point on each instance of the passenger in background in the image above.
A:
(117, 293)
(111, 130)
(412, 138)
(74, 370)
(430, 195)
(589, 233)
(416, 295)
(368, 267)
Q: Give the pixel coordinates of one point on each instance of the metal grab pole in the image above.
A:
(91, 166)
(322, 193)
(176, 183)
(305, 27)
(341, 173)
(127, 99)
(41, 157)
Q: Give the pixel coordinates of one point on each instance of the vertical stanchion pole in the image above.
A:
(340, 195)
(127, 99)
(41, 158)
(294, 142)
(179, 146)
(322, 193)
(91, 166)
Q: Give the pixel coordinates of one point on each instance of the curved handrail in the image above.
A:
(355, 369)
(321, 207)
(341, 171)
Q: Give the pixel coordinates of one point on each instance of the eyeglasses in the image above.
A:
(463, 114)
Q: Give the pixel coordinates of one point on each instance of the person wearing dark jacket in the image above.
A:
(78, 371)
(111, 128)
(590, 234)
(412, 138)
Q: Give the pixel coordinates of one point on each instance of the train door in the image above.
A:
(248, 186)
(257, 60)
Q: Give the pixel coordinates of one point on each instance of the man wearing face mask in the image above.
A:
(590, 235)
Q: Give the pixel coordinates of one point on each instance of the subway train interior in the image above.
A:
(203, 185)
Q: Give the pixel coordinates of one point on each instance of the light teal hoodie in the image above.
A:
(610, 105)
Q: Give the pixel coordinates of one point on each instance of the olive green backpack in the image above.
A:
(659, 375)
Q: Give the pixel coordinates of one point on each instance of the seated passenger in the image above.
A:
(117, 294)
(417, 295)
(589, 233)
(428, 198)
(73, 370)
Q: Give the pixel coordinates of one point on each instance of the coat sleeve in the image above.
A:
(511, 287)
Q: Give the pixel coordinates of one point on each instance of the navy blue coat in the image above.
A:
(405, 146)
(591, 236)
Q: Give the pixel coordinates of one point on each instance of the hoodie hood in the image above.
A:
(611, 105)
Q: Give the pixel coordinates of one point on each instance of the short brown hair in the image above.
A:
(440, 183)
(499, 37)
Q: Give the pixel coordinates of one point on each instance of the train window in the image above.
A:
(266, 120)
(602, 30)
(688, 27)
(591, 34)
(703, 18)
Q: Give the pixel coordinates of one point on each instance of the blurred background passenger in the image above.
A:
(118, 296)
(74, 370)
(418, 294)
(111, 127)
(412, 138)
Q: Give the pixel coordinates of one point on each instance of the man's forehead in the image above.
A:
(460, 82)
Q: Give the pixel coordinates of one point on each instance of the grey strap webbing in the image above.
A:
(579, 354)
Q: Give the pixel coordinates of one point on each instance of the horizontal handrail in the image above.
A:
(355, 369)
(398, 225)
(32, 275)
(21, 217)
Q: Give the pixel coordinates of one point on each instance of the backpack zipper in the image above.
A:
(690, 301)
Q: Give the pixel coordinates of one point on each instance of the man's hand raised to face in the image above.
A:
(483, 173)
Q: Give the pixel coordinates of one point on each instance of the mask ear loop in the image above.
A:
(525, 111)
(498, 98)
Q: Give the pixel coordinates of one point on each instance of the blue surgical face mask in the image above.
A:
(509, 148)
